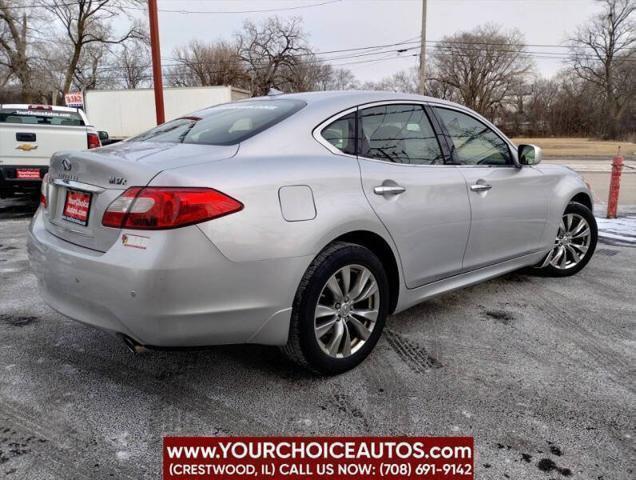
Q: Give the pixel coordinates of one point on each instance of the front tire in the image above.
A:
(574, 245)
(339, 310)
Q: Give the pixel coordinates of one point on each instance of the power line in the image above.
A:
(187, 12)
(396, 53)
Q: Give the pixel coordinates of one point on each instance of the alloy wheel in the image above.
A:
(571, 244)
(347, 311)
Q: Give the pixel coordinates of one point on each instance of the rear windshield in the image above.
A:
(226, 124)
(40, 117)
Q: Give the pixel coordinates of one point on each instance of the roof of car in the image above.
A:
(354, 96)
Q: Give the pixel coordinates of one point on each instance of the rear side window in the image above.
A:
(40, 117)
(226, 124)
(399, 134)
(472, 142)
(342, 133)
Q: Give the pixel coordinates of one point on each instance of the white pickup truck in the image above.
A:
(30, 134)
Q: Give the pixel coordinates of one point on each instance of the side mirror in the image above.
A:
(103, 135)
(529, 154)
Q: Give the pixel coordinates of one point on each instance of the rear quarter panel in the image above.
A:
(259, 231)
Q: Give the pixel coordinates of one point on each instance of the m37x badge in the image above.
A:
(117, 181)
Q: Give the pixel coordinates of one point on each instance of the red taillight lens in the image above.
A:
(93, 140)
(157, 208)
(44, 190)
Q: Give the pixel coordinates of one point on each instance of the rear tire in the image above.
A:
(574, 245)
(339, 310)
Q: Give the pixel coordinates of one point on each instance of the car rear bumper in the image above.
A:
(180, 291)
(10, 183)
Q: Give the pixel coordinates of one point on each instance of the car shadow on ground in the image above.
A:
(19, 206)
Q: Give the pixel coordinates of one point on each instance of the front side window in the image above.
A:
(226, 124)
(342, 133)
(472, 142)
(399, 134)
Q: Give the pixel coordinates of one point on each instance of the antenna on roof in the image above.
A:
(273, 92)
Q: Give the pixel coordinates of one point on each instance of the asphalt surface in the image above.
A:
(539, 370)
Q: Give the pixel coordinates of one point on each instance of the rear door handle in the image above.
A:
(388, 189)
(480, 187)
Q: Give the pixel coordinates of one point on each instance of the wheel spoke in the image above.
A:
(324, 311)
(336, 340)
(369, 314)
(564, 258)
(561, 228)
(345, 274)
(548, 258)
(370, 290)
(582, 234)
(325, 328)
(361, 281)
(576, 258)
(362, 331)
(579, 228)
(581, 248)
(334, 288)
(557, 256)
(568, 222)
(346, 347)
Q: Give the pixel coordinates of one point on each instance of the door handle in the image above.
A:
(480, 187)
(388, 189)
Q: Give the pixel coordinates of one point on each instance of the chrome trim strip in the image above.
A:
(77, 185)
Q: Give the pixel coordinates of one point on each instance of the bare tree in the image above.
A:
(342, 79)
(203, 64)
(134, 65)
(14, 46)
(308, 74)
(98, 68)
(272, 51)
(87, 22)
(482, 68)
(604, 54)
(406, 81)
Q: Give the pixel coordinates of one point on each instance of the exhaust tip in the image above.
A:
(132, 345)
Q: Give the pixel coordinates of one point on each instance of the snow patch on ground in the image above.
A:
(618, 231)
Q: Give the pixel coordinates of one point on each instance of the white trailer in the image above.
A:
(124, 113)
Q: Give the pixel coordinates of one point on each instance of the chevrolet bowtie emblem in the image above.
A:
(26, 147)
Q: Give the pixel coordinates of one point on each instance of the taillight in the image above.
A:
(93, 140)
(157, 208)
(44, 190)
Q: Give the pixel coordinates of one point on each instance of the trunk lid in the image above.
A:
(101, 175)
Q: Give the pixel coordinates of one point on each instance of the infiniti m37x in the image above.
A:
(298, 220)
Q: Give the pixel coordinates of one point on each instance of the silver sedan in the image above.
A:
(300, 221)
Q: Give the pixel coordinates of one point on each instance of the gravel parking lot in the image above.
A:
(539, 370)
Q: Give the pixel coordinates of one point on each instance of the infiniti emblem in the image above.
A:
(66, 163)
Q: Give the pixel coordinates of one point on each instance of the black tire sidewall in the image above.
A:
(347, 254)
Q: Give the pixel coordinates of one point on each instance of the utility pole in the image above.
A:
(423, 51)
(157, 81)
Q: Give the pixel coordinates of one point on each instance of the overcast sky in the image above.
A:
(345, 24)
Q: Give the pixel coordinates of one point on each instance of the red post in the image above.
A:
(615, 186)
(157, 80)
